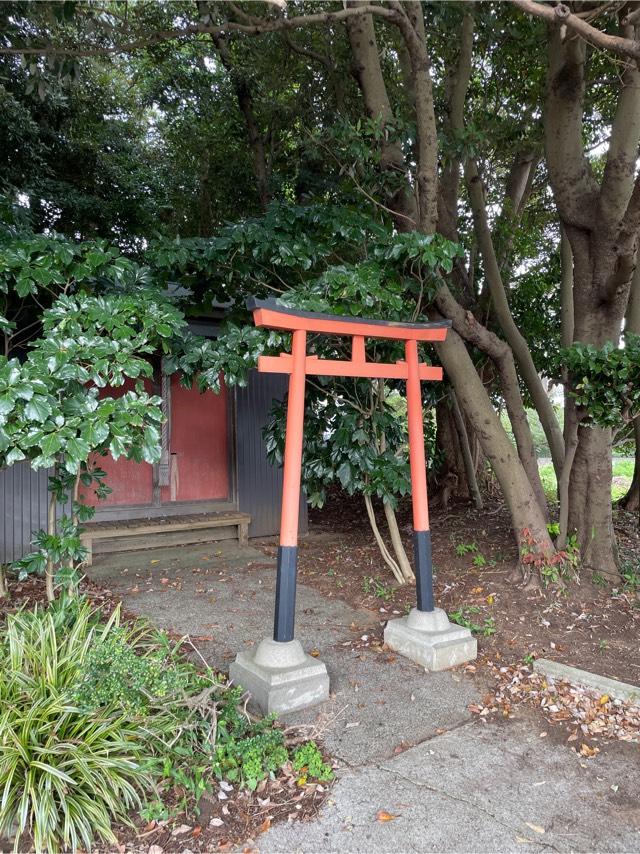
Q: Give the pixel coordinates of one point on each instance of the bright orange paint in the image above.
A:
(293, 443)
(416, 441)
(298, 365)
(343, 368)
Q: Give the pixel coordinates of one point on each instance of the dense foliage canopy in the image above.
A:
(387, 159)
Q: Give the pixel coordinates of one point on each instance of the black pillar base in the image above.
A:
(424, 570)
(285, 594)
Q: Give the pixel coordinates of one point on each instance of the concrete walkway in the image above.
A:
(405, 740)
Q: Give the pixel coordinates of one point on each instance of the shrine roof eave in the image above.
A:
(271, 314)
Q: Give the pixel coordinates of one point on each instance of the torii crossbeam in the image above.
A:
(426, 626)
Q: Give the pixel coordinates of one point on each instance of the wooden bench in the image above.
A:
(164, 531)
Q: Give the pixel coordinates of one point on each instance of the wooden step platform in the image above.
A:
(101, 537)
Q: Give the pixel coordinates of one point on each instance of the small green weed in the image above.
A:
(461, 617)
(378, 588)
(463, 549)
(479, 560)
(154, 811)
(308, 761)
(630, 574)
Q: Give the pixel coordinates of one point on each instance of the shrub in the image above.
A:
(132, 668)
(65, 773)
(101, 718)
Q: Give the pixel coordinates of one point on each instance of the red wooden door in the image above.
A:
(199, 448)
(199, 445)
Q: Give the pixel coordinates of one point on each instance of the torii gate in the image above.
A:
(278, 674)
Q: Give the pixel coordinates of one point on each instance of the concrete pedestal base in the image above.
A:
(280, 677)
(429, 639)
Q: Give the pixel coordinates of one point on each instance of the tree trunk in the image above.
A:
(600, 220)
(384, 551)
(466, 450)
(466, 325)
(398, 545)
(511, 332)
(590, 500)
(246, 105)
(598, 269)
(453, 473)
(526, 513)
(523, 498)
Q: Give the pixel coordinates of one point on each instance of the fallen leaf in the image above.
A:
(585, 750)
(216, 822)
(604, 699)
(154, 561)
(315, 653)
(266, 824)
(383, 815)
(535, 827)
(183, 828)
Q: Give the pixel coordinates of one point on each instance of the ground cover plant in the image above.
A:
(105, 721)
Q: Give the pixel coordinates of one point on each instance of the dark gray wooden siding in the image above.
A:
(259, 483)
(23, 509)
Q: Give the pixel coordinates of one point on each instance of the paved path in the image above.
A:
(459, 784)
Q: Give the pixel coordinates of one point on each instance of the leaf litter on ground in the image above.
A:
(588, 714)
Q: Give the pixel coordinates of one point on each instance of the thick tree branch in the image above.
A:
(410, 21)
(513, 335)
(273, 25)
(366, 66)
(468, 328)
(619, 172)
(456, 86)
(574, 186)
(561, 15)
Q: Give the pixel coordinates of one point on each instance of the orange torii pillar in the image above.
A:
(278, 674)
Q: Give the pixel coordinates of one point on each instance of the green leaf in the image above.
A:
(50, 444)
(14, 456)
(38, 408)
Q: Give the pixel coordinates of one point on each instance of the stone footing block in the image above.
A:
(280, 677)
(429, 639)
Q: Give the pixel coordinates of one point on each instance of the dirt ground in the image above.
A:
(593, 626)
(590, 626)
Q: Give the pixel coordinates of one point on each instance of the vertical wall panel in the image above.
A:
(259, 483)
(23, 509)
